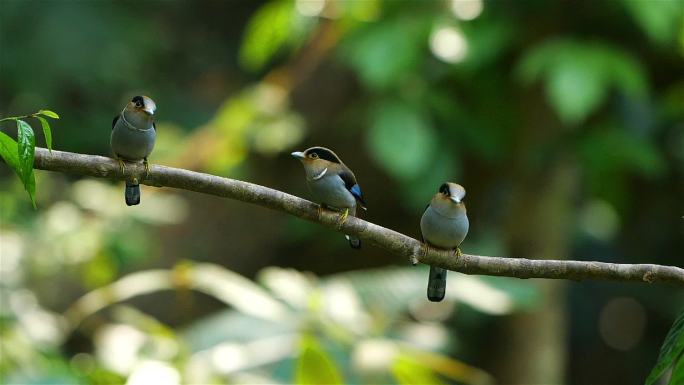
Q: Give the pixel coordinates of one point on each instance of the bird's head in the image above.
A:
(317, 159)
(451, 193)
(142, 105)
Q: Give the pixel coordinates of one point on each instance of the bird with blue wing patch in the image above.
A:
(332, 183)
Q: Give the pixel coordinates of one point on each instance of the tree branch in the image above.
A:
(394, 242)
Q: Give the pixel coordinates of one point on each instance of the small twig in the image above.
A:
(390, 240)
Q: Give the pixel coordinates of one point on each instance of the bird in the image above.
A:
(132, 139)
(444, 225)
(332, 183)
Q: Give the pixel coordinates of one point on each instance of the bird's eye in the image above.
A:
(138, 104)
(314, 155)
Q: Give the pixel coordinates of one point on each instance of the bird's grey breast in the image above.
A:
(442, 231)
(330, 189)
(131, 143)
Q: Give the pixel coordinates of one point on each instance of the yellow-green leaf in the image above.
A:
(408, 371)
(314, 366)
(46, 131)
(266, 33)
(49, 114)
(9, 152)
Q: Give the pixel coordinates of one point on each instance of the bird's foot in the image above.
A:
(424, 250)
(343, 218)
(320, 212)
(458, 252)
(122, 166)
(147, 167)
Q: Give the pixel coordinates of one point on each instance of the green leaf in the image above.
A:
(314, 366)
(660, 20)
(670, 352)
(625, 73)
(26, 141)
(677, 377)
(401, 139)
(629, 152)
(49, 114)
(10, 153)
(384, 52)
(575, 90)
(266, 33)
(578, 75)
(46, 131)
(30, 187)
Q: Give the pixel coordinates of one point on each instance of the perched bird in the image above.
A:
(133, 136)
(332, 183)
(444, 225)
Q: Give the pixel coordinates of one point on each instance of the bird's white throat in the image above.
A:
(319, 176)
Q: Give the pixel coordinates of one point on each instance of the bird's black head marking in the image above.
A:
(444, 189)
(138, 101)
(322, 153)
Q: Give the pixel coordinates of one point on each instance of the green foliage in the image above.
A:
(266, 33)
(46, 131)
(677, 376)
(661, 20)
(9, 150)
(401, 139)
(314, 365)
(385, 52)
(10, 153)
(630, 153)
(48, 113)
(26, 141)
(670, 354)
(19, 155)
(408, 371)
(487, 41)
(578, 75)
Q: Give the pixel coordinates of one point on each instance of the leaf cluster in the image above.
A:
(19, 154)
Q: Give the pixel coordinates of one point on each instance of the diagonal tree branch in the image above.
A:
(396, 243)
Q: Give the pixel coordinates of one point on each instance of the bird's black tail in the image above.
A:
(132, 193)
(436, 284)
(354, 242)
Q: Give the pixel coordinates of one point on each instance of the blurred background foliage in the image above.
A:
(564, 120)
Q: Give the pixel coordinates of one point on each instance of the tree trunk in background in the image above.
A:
(533, 344)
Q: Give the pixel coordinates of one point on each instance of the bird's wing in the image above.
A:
(116, 119)
(420, 231)
(353, 187)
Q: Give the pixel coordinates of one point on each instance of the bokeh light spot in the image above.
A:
(467, 9)
(310, 7)
(599, 220)
(622, 323)
(154, 372)
(448, 44)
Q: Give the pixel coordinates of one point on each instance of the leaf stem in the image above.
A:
(19, 117)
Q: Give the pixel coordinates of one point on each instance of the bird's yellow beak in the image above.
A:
(298, 154)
